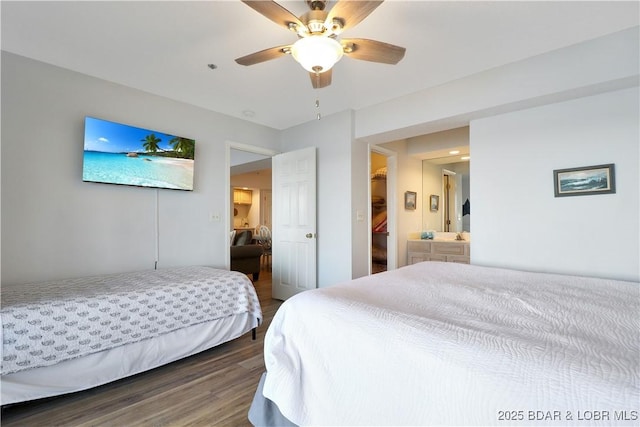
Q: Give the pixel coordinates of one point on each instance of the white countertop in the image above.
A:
(440, 240)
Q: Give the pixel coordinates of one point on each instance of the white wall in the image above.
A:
(54, 225)
(517, 221)
(431, 184)
(333, 138)
(360, 230)
(603, 64)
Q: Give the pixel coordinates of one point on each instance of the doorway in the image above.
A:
(452, 201)
(248, 173)
(250, 181)
(382, 211)
(287, 265)
(379, 217)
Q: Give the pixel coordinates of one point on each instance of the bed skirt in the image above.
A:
(263, 412)
(103, 367)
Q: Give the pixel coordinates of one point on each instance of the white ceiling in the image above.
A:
(164, 48)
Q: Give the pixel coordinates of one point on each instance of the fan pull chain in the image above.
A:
(318, 115)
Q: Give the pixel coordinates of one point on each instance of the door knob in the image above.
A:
(309, 236)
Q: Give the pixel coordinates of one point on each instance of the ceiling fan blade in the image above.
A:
(320, 80)
(351, 12)
(372, 50)
(273, 11)
(263, 55)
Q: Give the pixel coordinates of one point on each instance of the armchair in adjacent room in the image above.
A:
(245, 256)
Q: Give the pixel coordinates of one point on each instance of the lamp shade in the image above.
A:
(317, 53)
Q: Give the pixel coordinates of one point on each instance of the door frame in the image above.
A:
(230, 145)
(453, 201)
(392, 205)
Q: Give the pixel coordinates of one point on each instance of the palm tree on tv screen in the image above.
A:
(183, 146)
(151, 143)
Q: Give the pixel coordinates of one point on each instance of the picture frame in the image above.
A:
(434, 203)
(410, 198)
(582, 181)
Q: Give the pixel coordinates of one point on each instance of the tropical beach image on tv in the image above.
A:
(115, 153)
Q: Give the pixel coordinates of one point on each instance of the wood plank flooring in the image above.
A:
(212, 388)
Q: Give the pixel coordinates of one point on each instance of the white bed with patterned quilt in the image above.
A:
(69, 335)
(451, 344)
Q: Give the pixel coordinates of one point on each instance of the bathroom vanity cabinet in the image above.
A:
(438, 250)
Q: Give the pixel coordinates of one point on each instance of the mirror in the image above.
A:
(445, 191)
(445, 179)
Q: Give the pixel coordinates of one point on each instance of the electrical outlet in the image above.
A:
(214, 216)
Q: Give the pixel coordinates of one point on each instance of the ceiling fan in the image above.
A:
(318, 48)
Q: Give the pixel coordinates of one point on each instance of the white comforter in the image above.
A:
(443, 343)
(46, 323)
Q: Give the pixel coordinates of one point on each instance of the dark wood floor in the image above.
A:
(212, 388)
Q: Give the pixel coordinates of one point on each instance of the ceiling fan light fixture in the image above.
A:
(317, 53)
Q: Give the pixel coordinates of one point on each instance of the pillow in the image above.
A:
(244, 238)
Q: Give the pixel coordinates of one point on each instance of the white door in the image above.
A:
(294, 223)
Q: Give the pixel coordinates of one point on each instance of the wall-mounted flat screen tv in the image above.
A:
(115, 153)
